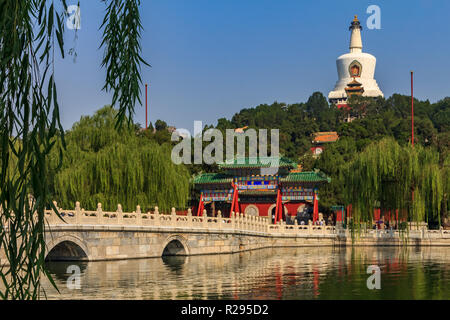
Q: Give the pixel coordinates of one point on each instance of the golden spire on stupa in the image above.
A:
(356, 18)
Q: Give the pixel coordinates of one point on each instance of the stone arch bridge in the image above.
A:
(99, 235)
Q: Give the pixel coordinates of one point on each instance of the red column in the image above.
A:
(316, 208)
(235, 201)
(236, 204)
(339, 215)
(279, 203)
(377, 213)
(200, 206)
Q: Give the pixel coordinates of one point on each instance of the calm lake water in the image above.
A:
(287, 273)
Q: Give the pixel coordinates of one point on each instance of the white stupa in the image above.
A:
(356, 71)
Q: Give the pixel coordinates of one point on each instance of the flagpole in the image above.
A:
(146, 107)
(412, 108)
(412, 128)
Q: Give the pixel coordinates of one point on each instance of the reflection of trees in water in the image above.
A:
(283, 273)
(406, 273)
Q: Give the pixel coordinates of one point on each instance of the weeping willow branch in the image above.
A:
(121, 40)
(389, 176)
(29, 122)
(30, 128)
(104, 166)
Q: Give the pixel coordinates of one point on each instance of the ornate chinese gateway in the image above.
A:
(267, 187)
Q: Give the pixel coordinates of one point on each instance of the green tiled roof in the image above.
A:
(258, 162)
(213, 178)
(221, 178)
(316, 176)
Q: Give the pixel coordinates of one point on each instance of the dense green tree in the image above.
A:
(441, 115)
(392, 177)
(160, 125)
(317, 103)
(102, 165)
(375, 119)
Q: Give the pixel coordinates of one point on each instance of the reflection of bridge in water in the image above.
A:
(288, 273)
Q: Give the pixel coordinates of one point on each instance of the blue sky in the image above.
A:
(212, 58)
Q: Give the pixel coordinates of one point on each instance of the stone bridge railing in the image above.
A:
(237, 221)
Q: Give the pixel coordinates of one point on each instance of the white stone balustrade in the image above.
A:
(237, 222)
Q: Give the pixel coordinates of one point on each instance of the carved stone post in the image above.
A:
(189, 217)
(157, 218)
(138, 215)
(99, 213)
(78, 213)
(119, 213)
(232, 220)
(205, 218)
(219, 219)
(173, 217)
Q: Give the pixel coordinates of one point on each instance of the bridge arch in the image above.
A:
(175, 245)
(67, 248)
